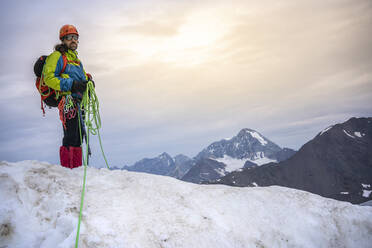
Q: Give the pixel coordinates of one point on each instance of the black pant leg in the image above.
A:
(72, 133)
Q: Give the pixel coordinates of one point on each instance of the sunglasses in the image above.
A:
(71, 36)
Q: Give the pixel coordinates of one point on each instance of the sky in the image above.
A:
(175, 76)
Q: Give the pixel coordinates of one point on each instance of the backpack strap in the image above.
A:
(40, 81)
(64, 62)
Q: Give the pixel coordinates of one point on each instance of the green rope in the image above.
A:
(84, 180)
(90, 104)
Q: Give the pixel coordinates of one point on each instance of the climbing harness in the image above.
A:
(90, 124)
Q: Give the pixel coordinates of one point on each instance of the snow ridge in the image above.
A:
(325, 130)
(40, 205)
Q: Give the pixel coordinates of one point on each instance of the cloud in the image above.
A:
(176, 76)
(151, 28)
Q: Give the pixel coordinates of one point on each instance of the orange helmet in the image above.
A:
(67, 29)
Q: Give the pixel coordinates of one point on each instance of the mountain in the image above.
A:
(247, 144)
(204, 169)
(182, 166)
(337, 163)
(163, 164)
(160, 165)
(247, 148)
(40, 208)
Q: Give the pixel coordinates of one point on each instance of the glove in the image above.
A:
(78, 87)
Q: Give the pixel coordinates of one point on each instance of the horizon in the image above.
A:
(176, 76)
(227, 139)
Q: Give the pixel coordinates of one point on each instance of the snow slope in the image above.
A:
(233, 164)
(40, 203)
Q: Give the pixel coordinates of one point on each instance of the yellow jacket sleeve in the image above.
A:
(52, 73)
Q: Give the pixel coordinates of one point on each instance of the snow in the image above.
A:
(366, 185)
(367, 203)
(258, 137)
(358, 134)
(255, 184)
(233, 164)
(220, 171)
(40, 203)
(260, 159)
(366, 193)
(344, 193)
(349, 134)
(325, 130)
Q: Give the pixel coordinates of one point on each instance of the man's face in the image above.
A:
(71, 41)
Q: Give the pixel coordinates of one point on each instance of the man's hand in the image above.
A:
(78, 87)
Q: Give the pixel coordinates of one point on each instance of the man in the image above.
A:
(64, 72)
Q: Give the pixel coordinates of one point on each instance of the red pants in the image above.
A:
(71, 157)
(70, 152)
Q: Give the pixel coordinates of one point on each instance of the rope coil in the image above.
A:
(67, 109)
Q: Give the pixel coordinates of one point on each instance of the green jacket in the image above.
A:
(74, 71)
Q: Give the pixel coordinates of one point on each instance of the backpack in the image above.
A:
(47, 94)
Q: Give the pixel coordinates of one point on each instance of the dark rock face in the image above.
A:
(182, 166)
(337, 164)
(284, 154)
(203, 170)
(249, 164)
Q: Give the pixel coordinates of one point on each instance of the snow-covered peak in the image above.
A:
(40, 207)
(259, 138)
(246, 145)
(249, 133)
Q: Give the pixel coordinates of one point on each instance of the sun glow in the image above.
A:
(191, 45)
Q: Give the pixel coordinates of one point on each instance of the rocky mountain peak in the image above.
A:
(248, 148)
(160, 165)
(180, 158)
(165, 156)
(252, 136)
(245, 145)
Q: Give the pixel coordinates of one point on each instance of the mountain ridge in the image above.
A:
(247, 148)
(336, 163)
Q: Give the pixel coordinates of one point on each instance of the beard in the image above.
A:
(73, 46)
